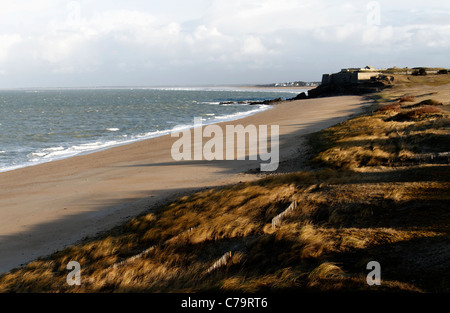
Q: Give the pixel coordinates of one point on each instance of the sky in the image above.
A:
(87, 43)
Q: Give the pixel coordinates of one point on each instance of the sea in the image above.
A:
(42, 125)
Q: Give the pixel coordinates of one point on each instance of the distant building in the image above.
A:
(350, 76)
(292, 84)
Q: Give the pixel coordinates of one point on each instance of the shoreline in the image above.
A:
(49, 206)
(292, 88)
(221, 119)
(73, 147)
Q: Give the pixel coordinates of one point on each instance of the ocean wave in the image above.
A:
(70, 144)
(60, 152)
(57, 153)
(239, 115)
(7, 168)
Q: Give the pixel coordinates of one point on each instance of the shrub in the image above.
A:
(430, 102)
(443, 71)
(391, 107)
(416, 113)
(406, 99)
(419, 72)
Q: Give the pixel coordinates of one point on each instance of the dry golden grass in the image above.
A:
(390, 137)
(323, 271)
(406, 99)
(371, 198)
(390, 107)
(331, 224)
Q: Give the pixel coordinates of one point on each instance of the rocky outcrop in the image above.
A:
(301, 96)
(270, 101)
(266, 101)
(375, 84)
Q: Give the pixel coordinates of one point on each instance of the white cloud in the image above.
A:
(253, 46)
(112, 37)
(376, 35)
(7, 41)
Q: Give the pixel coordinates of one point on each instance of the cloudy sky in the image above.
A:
(57, 43)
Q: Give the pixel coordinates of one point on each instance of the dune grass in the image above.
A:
(371, 195)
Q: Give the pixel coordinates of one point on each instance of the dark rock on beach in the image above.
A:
(270, 101)
(301, 96)
(273, 101)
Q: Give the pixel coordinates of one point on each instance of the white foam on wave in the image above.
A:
(113, 129)
(239, 115)
(10, 168)
(55, 153)
(59, 152)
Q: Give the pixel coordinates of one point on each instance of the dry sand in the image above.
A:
(47, 207)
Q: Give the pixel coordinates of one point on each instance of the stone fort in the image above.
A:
(350, 76)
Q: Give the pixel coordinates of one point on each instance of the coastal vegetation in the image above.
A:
(375, 189)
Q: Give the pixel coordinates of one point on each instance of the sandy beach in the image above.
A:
(46, 207)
